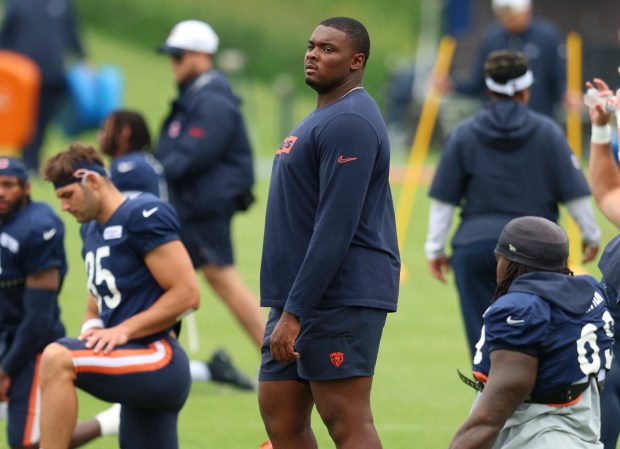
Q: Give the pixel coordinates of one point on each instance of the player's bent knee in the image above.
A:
(54, 360)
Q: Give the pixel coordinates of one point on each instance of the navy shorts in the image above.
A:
(24, 406)
(151, 381)
(334, 343)
(208, 240)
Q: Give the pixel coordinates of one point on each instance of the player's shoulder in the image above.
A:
(148, 207)
(36, 224)
(520, 303)
(357, 110)
(127, 162)
(37, 216)
(545, 28)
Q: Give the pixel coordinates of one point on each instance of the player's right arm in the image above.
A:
(40, 299)
(604, 172)
(511, 379)
(171, 267)
(91, 318)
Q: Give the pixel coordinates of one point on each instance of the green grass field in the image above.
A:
(418, 398)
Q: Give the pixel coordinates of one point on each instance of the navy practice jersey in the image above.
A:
(138, 172)
(114, 254)
(330, 233)
(561, 320)
(30, 242)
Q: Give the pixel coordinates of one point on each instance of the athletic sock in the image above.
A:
(199, 371)
(110, 420)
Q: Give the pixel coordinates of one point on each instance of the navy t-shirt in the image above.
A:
(330, 233)
(32, 241)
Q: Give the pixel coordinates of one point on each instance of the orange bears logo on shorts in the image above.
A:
(336, 358)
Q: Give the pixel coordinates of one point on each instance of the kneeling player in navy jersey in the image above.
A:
(545, 348)
(140, 283)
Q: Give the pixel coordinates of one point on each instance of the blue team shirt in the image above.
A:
(114, 254)
(138, 172)
(32, 241)
(330, 233)
(561, 320)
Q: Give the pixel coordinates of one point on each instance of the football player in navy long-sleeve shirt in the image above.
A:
(330, 266)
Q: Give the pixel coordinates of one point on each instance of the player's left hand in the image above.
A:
(589, 252)
(105, 340)
(283, 337)
(599, 116)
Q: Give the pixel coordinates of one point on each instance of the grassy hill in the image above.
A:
(272, 33)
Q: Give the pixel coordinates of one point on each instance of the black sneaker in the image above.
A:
(223, 370)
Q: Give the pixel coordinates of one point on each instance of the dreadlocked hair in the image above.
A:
(516, 269)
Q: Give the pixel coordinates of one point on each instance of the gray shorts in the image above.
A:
(540, 426)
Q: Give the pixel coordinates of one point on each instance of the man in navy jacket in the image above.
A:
(205, 151)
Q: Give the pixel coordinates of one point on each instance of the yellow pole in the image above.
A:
(421, 142)
(573, 134)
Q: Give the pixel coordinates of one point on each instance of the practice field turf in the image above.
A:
(418, 399)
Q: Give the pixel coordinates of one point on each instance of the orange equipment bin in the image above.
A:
(20, 83)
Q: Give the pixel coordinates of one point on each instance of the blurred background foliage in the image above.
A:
(271, 33)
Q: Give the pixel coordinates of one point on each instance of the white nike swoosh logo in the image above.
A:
(124, 167)
(509, 320)
(49, 234)
(148, 213)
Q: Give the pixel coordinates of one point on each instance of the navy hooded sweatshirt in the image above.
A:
(506, 162)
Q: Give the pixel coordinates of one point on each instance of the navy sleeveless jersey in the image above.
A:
(561, 320)
(330, 233)
(114, 254)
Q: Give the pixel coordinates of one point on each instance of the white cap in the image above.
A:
(513, 5)
(191, 35)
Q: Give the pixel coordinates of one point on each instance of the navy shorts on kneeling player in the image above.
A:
(142, 375)
(334, 343)
(151, 381)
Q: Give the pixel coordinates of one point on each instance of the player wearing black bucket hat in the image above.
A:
(544, 351)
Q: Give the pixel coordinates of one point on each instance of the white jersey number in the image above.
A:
(588, 338)
(97, 275)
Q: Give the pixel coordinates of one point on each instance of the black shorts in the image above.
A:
(208, 240)
(334, 343)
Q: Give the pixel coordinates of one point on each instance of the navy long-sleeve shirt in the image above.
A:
(330, 233)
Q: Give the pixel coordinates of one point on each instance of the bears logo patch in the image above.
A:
(336, 358)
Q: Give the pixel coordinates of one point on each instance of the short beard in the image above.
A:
(318, 89)
(17, 206)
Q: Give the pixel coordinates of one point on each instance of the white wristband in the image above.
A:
(601, 134)
(618, 117)
(93, 322)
